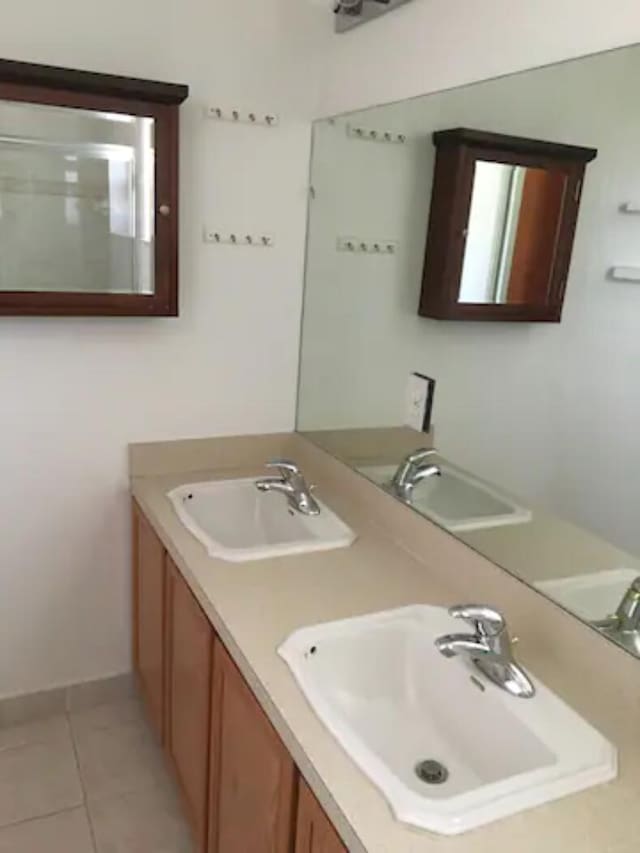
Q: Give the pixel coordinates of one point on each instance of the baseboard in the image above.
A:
(27, 707)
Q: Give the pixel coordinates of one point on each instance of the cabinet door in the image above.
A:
(253, 776)
(148, 617)
(315, 832)
(190, 651)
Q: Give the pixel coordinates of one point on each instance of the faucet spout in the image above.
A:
(426, 472)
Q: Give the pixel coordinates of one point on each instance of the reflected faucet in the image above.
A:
(292, 484)
(490, 647)
(624, 624)
(411, 471)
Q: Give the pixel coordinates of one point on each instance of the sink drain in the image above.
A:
(431, 772)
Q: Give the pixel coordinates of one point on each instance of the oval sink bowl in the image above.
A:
(456, 500)
(236, 522)
(449, 750)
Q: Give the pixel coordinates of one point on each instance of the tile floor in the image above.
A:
(90, 781)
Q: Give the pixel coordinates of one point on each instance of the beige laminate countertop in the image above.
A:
(398, 559)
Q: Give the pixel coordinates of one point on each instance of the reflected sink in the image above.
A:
(456, 500)
(393, 702)
(590, 596)
(236, 522)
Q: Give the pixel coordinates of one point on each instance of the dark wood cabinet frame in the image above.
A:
(458, 150)
(43, 84)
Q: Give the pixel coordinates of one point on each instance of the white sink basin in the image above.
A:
(456, 500)
(591, 596)
(389, 697)
(236, 522)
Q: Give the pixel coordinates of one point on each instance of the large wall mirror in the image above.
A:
(88, 192)
(532, 457)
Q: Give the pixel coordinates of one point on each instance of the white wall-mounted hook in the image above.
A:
(625, 274)
(241, 117)
(369, 134)
(359, 246)
(236, 238)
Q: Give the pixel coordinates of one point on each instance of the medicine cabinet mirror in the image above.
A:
(88, 193)
(503, 218)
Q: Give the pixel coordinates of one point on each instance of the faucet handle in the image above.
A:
(420, 454)
(485, 621)
(286, 467)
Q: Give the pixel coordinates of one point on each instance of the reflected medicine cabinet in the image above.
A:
(501, 228)
(88, 193)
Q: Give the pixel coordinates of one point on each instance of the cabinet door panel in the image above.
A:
(148, 627)
(190, 649)
(253, 785)
(315, 832)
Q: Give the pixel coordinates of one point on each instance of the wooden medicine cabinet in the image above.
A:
(501, 228)
(88, 193)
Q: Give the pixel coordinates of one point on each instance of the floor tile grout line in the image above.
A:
(36, 741)
(74, 734)
(85, 798)
(25, 744)
(105, 725)
(12, 824)
(89, 799)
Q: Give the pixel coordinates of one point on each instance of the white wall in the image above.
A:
(430, 45)
(541, 409)
(73, 393)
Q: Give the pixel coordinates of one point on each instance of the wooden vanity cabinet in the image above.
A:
(238, 781)
(188, 725)
(148, 618)
(253, 778)
(314, 830)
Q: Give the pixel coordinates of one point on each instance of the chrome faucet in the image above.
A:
(490, 648)
(411, 471)
(292, 484)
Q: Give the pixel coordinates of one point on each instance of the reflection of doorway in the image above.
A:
(484, 246)
(536, 236)
(509, 230)
(512, 233)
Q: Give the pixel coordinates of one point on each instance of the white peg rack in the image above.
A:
(241, 116)
(625, 274)
(630, 207)
(370, 134)
(237, 238)
(358, 246)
